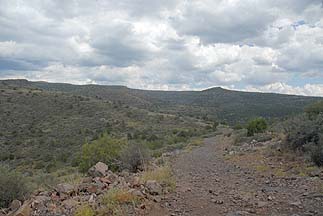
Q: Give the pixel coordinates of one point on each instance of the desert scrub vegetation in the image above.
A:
(134, 156)
(12, 186)
(314, 109)
(163, 175)
(44, 130)
(117, 153)
(257, 125)
(304, 133)
(113, 201)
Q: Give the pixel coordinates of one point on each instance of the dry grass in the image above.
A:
(267, 161)
(73, 178)
(196, 142)
(262, 168)
(114, 200)
(85, 210)
(163, 175)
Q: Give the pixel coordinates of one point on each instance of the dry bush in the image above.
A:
(134, 156)
(12, 186)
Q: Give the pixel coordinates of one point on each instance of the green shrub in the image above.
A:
(301, 131)
(12, 186)
(258, 125)
(305, 134)
(237, 126)
(105, 149)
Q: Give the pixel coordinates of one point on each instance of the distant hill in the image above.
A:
(214, 104)
(45, 129)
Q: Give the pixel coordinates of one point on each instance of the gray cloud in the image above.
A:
(220, 21)
(168, 44)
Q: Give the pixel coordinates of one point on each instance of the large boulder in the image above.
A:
(99, 170)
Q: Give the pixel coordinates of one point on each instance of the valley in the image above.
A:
(190, 152)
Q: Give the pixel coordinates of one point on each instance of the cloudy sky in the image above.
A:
(254, 45)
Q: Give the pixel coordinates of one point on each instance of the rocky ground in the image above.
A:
(101, 193)
(221, 179)
(216, 178)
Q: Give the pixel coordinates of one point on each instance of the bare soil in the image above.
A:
(208, 183)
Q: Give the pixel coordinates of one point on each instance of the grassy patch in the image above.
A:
(85, 210)
(114, 199)
(262, 168)
(280, 173)
(162, 175)
(193, 143)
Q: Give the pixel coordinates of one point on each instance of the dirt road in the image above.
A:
(208, 184)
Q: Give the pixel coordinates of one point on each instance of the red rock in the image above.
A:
(105, 180)
(92, 188)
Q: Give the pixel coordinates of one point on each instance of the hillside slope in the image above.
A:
(45, 130)
(215, 103)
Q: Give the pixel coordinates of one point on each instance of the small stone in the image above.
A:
(92, 198)
(44, 193)
(87, 180)
(315, 173)
(297, 204)
(136, 193)
(92, 188)
(157, 199)
(217, 201)
(39, 202)
(261, 204)
(70, 203)
(135, 182)
(105, 180)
